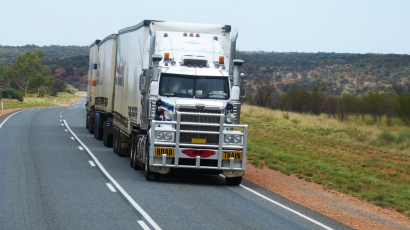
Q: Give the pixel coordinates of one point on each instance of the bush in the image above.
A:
(13, 94)
(71, 90)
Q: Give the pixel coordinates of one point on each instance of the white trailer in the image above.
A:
(176, 99)
(104, 92)
(91, 86)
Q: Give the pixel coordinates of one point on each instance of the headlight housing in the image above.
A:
(164, 136)
(168, 114)
(233, 139)
(230, 118)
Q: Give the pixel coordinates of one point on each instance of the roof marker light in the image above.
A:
(166, 64)
(185, 34)
(223, 67)
(189, 65)
(216, 38)
(166, 35)
(191, 34)
(197, 35)
(221, 59)
(166, 56)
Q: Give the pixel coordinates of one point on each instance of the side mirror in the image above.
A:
(143, 81)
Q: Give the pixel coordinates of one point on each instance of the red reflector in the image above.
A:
(216, 38)
(196, 152)
(191, 34)
(94, 83)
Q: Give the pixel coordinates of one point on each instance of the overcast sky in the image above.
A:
(341, 26)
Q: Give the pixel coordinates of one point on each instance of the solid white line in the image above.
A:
(81, 148)
(118, 186)
(9, 117)
(143, 225)
(91, 163)
(287, 208)
(111, 188)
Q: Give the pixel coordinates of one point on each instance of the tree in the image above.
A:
(3, 67)
(28, 72)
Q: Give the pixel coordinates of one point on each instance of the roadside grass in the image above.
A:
(34, 101)
(359, 156)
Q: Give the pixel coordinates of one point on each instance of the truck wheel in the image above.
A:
(233, 180)
(132, 150)
(107, 139)
(149, 176)
(98, 132)
(114, 149)
(87, 121)
(91, 125)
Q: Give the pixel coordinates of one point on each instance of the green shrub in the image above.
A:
(71, 90)
(402, 137)
(13, 94)
(387, 136)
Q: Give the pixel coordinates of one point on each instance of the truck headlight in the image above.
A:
(232, 139)
(164, 136)
(168, 114)
(230, 117)
(227, 138)
(237, 139)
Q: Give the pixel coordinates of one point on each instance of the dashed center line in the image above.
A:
(91, 163)
(81, 148)
(72, 138)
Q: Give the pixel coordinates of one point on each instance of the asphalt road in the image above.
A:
(55, 175)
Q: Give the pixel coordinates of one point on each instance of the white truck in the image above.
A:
(167, 94)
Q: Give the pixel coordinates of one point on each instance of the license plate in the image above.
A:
(198, 141)
(160, 151)
(235, 155)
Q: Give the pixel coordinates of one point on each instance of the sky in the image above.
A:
(340, 26)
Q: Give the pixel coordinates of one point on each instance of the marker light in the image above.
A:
(191, 34)
(166, 64)
(197, 35)
(166, 56)
(166, 35)
(185, 34)
(221, 59)
(216, 38)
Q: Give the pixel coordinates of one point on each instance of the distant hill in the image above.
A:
(286, 71)
(68, 63)
(362, 72)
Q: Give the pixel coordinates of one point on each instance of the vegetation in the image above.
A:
(356, 156)
(33, 101)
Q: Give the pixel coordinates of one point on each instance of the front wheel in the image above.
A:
(150, 176)
(233, 180)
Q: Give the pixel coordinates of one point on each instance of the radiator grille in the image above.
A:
(210, 138)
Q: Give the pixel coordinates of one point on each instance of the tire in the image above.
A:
(132, 153)
(87, 121)
(91, 125)
(98, 132)
(233, 180)
(114, 149)
(134, 148)
(105, 133)
(149, 176)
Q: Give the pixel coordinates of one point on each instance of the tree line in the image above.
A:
(316, 100)
(27, 74)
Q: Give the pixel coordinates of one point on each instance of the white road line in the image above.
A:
(66, 130)
(61, 120)
(111, 187)
(118, 186)
(72, 138)
(287, 208)
(143, 225)
(9, 117)
(81, 148)
(91, 163)
(62, 124)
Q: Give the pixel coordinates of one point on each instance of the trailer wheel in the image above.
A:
(132, 154)
(91, 124)
(233, 180)
(149, 176)
(87, 120)
(107, 139)
(114, 149)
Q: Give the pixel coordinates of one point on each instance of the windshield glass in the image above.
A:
(194, 86)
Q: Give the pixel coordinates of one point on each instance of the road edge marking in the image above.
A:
(114, 182)
(1, 125)
(285, 207)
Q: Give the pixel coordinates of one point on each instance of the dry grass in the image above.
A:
(358, 156)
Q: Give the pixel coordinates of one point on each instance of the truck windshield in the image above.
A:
(172, 85)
